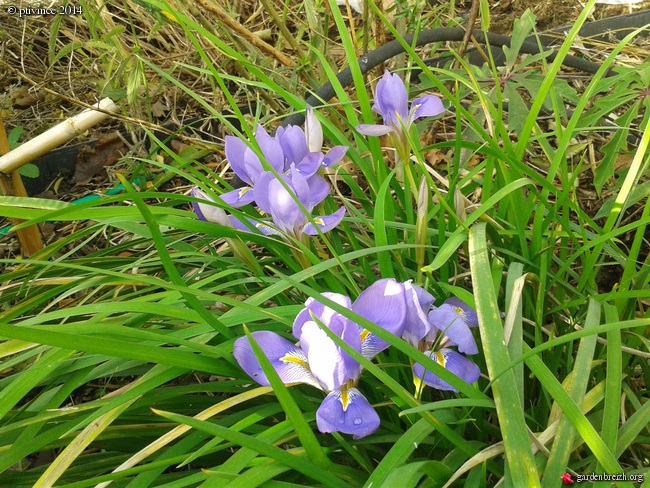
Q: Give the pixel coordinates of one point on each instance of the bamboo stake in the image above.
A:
(56, 136)
(29, 237)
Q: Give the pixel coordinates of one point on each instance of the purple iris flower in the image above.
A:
(248, 166)
(320, 362)
(432, 329)
(281, 204)
(274, 199)
(301, 148)
(391, 102)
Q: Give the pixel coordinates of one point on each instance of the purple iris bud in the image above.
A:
(453, 362)
(293, 141)
(391, 102)
(454, 318)
(209, 212)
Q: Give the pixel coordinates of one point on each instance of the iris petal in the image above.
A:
(418, 303)
(454, 362)
(260, 226)
(329, 364)
(310, 164)
(320, 311)
(348, 412)
(468, 313)
(334, 156)
(391, 99)
(451, 323)
(371, 345)
(235, 150)
(300, 186)
(325, 222)
(283, 207)
(318, 190)
(426, 106)
(287, 359)
(252, 165)
(383, 303)
(262, 191)
(270, 148)
(293, 145)
(239, 197)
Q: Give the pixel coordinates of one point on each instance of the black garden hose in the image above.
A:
(445, 34)
(616, 27)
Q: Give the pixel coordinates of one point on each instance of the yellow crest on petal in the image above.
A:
(243, 191)
(345, 399)
(293, 358)
(440, 359)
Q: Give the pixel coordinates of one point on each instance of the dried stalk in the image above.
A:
(29, 237)
(245, 33)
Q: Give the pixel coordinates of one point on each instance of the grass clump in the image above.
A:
(116, 358)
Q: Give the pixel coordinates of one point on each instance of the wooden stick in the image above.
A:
(29, 237)
(245, 33)
(56, 136)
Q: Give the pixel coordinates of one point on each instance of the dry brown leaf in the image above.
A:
(159, 109)
(435, 156)
(92, 161)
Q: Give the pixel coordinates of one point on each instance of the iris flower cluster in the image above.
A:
(435, 331)
(295, 157)
(402, 309)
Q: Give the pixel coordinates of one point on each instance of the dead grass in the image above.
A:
(52, 65)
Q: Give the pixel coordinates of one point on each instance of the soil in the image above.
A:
(552, 13)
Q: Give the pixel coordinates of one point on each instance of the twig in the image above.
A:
(473, 15)
(268, 6)
(245, 33)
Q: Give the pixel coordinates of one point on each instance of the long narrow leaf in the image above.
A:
(510, 411)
